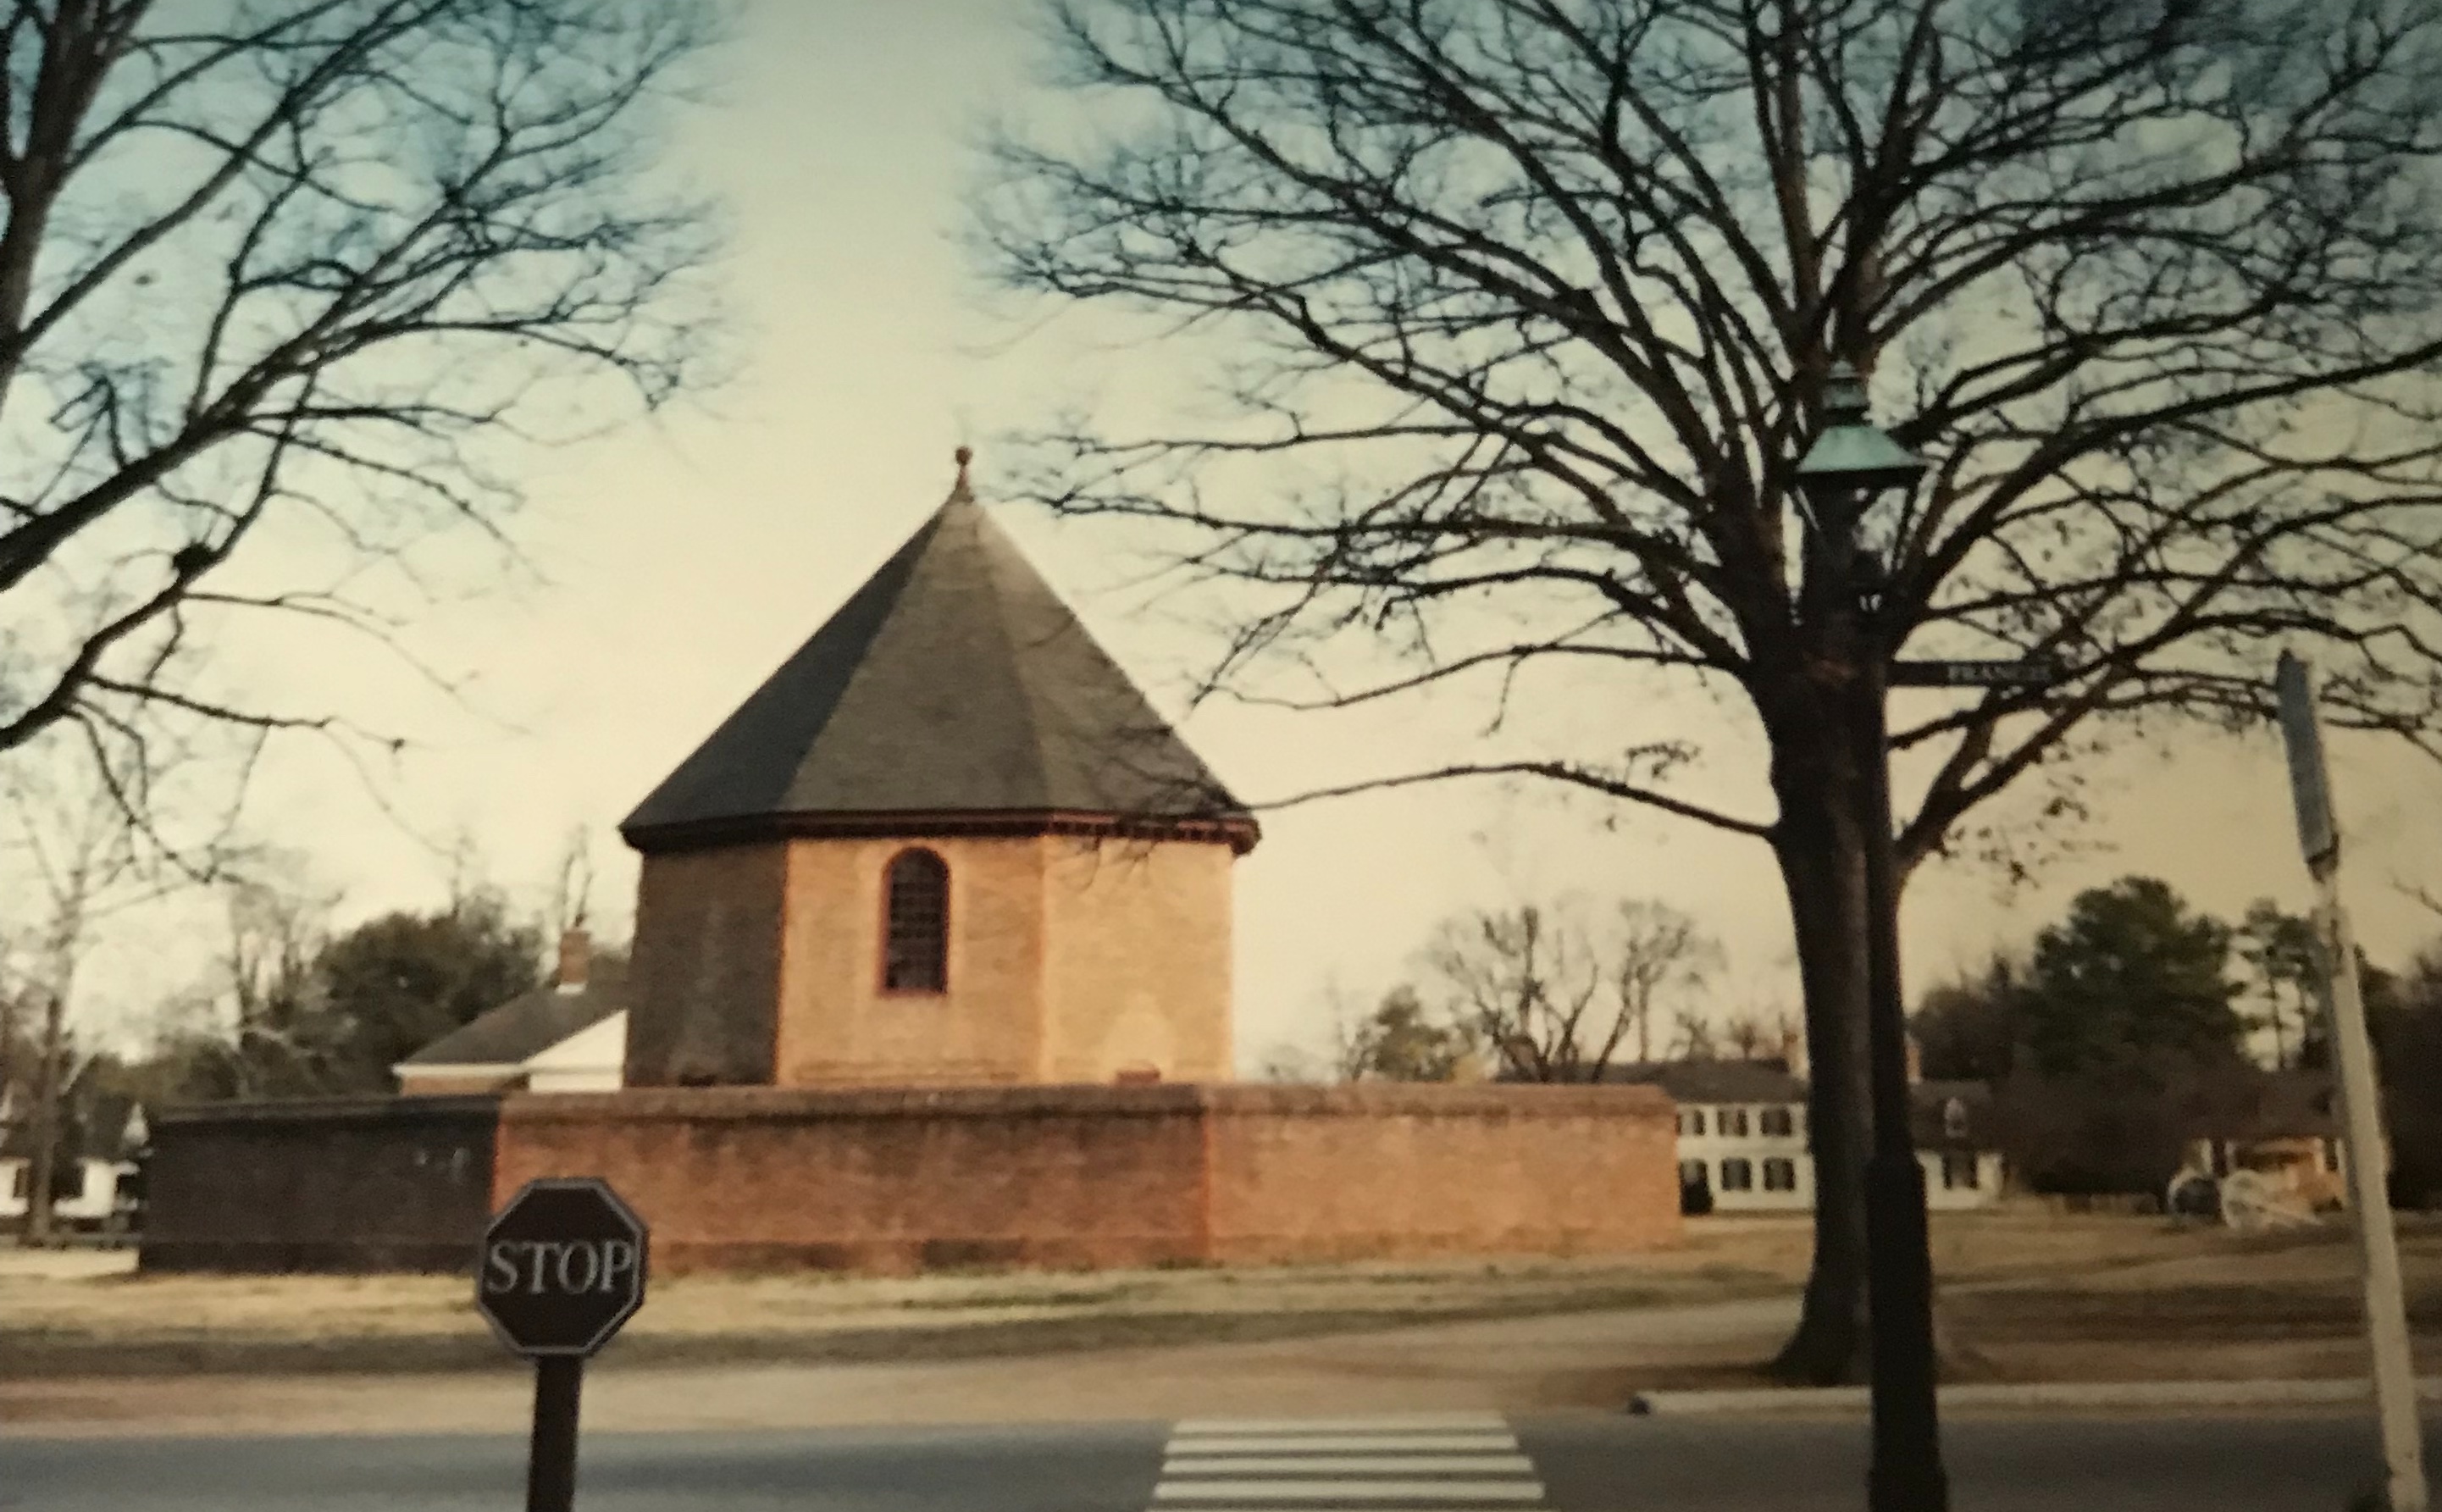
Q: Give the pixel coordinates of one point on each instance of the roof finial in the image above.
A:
(965, 455)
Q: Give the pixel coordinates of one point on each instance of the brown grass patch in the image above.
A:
(2028, 1294)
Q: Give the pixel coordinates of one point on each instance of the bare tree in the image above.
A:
(1749, 1035)
(267, 1036)
(1538, 299)
(299, 272)
(1693, 1037)
(79, 857)
(1655, 950)
(572, 887)
(1530, 985)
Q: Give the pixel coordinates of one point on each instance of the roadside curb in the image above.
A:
(2098, 1395)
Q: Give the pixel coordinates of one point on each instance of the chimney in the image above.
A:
(1916, 1060)
(1793, 1052)
(575, 956)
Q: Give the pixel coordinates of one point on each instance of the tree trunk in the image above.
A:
(45, 1126)
(8, 1055)
(1821, 846)
(1821, 849)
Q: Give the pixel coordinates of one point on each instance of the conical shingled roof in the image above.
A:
(952, 693)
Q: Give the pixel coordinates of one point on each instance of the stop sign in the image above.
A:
(562, 1268)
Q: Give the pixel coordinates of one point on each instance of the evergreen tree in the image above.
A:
(2129, 975)
(394, 984)
(1400, 1041)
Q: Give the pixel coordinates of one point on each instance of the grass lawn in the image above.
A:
(2030, 1295)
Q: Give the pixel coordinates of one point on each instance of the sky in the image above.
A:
(679, 560)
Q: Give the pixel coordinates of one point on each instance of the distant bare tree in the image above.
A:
(256, 1029)
(1656, 949)
(1694, 1038)
(303, 271)
(572, 887)
(1531, 984)
(1749, 1035)
(78, 855)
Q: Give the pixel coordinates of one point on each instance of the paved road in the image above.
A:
(1452, 1463)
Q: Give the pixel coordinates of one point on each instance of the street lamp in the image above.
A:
(1850, 461)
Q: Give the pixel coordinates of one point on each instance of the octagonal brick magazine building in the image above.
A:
(932, 967)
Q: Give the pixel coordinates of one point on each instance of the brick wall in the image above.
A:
(356, 1185)
(704, 978)
(882, 1181)
(1387, 1170)
(900, 1180)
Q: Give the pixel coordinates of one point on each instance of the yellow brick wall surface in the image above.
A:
(1136, 959)
(837, 1026)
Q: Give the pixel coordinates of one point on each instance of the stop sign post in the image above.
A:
(562, 1268)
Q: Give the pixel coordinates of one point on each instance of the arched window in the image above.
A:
(915, 927)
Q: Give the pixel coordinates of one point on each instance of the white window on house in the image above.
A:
(1958, 1173)
(1777, 1123)
(1954, 1119)
(1691, 1174)
(1692, 1122)
(1737, 1175)
(1734, 1122)
(1780, 1174)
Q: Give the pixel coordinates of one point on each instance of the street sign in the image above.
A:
(2031, 674)
(2310, 791)
(561, 1267)
(2386, 1309)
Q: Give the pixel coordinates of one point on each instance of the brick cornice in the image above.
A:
(1239, 831)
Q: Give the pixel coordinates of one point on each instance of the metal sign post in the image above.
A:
(562, 1268)
(2318, 836)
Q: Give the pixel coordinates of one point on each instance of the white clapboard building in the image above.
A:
(1743, 1133)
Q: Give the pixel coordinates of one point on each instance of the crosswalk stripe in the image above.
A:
(1416, 1422)
(1343, 1443)
(1194, 1462)
(1349, 1490)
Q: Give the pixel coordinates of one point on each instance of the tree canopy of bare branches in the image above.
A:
(1536, 301)
(76, 858)
(1556, 996)
(299, 272)
(1656, 949)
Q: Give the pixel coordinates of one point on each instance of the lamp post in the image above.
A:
(1849, 462)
